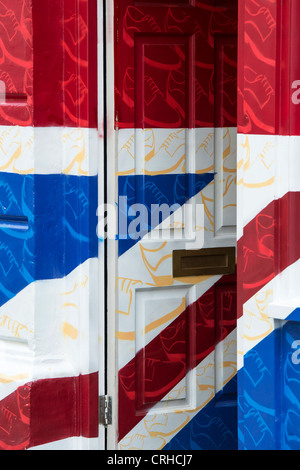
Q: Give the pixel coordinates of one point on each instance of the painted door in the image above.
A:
(51, 265)
(268, 246)
(175, 129)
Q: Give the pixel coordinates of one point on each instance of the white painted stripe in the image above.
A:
(170, 151)
(51, 329)
(49, 150)
(260, 311)
(16, 366)
(72, 443)
(256, 176)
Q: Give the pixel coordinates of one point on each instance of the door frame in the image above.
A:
(101, 198)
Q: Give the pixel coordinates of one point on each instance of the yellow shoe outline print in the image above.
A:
(78, 144)
(12, 148)
(169, 156)
(126, 155)
(153, 269)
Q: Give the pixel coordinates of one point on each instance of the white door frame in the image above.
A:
(111, 245)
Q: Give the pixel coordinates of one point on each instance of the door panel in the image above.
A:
(175, 50)
(175, 122)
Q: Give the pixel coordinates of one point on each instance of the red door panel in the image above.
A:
(166, 56)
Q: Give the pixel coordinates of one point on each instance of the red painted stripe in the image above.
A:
(256, 254)
(270, 243)
(269, 67)
(65, 63)
(157, 368)
(49, 410)
(16, 58)
(257, 67)
(48, 55)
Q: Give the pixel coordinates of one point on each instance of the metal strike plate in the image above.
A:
(208, 261)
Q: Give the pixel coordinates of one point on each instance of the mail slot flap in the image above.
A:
(204, 262)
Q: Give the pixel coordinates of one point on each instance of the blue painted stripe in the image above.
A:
(173, 189)
(47, 228)
(269, 392)
(213, 428)
(294, 316)
(268, 398)
(257, 398)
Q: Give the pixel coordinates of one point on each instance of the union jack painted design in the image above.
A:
(186, 350)
(49, 147)
(267, 245)
(176, 105)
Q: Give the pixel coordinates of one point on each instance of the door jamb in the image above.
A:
(111, 254)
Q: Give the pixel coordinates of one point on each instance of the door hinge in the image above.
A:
(105, 410)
